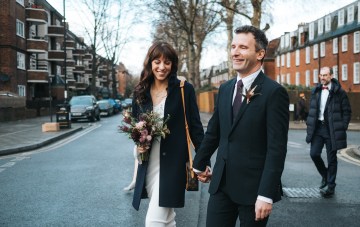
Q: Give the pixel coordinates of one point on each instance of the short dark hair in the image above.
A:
(259, 35)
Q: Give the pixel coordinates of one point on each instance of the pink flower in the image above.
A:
(140, 124)
(149, 138)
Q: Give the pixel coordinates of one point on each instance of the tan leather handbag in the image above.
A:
(192, 183)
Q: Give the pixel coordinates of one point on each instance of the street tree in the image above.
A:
(196, 20)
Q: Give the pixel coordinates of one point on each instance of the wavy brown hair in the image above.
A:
(158, 49)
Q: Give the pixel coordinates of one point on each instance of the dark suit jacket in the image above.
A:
(173, 149)
(253, 147)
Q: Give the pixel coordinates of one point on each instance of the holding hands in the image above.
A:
(205, 176)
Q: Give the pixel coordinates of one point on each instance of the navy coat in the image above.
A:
(173, 149)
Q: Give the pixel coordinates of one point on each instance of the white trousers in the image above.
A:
(156, 216)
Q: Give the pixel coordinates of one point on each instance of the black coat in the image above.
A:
(253, 148)
(173, 149)
(337, 114)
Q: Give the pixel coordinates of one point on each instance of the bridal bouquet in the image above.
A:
(144, 130)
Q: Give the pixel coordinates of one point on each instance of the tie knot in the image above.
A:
(325, 88)
(240, 84)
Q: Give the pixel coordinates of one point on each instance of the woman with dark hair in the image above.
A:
(163, 177)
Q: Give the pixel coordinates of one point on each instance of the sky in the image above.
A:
(286, 15)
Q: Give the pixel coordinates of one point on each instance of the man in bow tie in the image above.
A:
(327, 122)
(249, 128)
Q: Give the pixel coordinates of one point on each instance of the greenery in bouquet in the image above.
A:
(144, 130)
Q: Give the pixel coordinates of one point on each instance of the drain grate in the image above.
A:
(302, 192)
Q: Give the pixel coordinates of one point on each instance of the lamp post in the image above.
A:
(65, 88)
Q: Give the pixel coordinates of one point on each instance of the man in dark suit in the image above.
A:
(249, 128)
(328, 120)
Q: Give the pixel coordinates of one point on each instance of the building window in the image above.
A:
(356, 42)
(278, 61)
(297, 79)
(336, 72)
(307, 55)
(288, 81)
(341, 17)
(315, 76)
(311, 31)
(344, 72)
(287, 40)
(307, 78)
(350, 14)
(282, 78)
(20, 28)
(21, 90)
(21, 2)
(20, 60)
(283, 60)
(356, 73)
(358, 13)
(316, 51)
(288, 58)
(344, 43)
(322, 49)
(327, 23)
(282, 42)
(320, 26)
(335, 46)
(297, 57)
(278, 79)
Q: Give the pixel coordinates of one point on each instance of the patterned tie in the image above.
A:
(238, 98)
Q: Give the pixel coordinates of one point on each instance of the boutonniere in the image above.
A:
(250, 93)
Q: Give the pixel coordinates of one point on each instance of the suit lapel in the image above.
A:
(257, 82)
(230, 90)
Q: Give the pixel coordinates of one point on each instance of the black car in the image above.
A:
(106, 107)
(84, 107)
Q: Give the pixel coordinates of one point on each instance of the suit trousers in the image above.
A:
(223, 212)
(321, 138)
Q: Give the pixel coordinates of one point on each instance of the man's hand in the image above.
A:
(205, 176)
(262, 210)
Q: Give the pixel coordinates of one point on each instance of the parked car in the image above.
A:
(126, 103)
(117, 107)
(84, 107)
(106, 107)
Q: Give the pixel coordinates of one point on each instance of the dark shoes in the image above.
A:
(323, 183)
(327, 192)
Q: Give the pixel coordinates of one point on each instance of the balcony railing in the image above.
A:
(36, 15)
(56, 55)
(70, 44)
(78, 52)
(37, 45)
(57, 31)
(79, 69)
(37, 76)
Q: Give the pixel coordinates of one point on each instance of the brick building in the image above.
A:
(296, 57)
(32, 60)
(332, 40)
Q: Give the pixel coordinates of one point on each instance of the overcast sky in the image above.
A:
(287, 14)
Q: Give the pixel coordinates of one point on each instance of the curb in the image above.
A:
(350, 154)
(40, 144)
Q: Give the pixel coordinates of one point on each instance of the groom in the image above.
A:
(249, 128)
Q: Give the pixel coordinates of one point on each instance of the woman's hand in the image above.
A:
(141, 149)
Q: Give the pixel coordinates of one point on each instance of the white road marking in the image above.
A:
(8, 164)
(1, 170)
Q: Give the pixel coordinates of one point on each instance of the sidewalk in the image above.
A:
(24, 135)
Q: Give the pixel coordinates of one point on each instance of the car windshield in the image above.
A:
(81, 101)
(103, 104)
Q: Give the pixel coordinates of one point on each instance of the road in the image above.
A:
(78, 182)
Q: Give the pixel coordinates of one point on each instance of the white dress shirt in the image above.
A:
(247, 81)
(323, 100)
